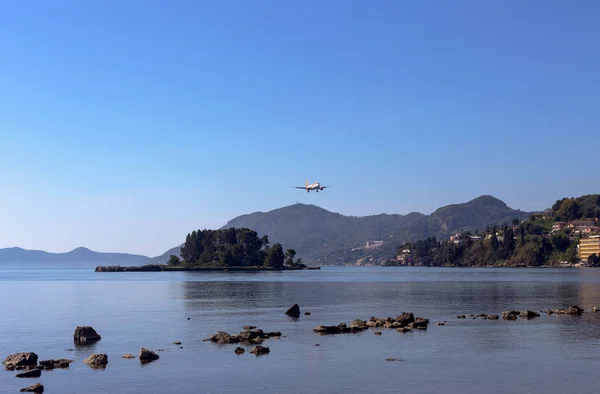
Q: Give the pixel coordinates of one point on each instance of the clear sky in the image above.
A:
(126, 124)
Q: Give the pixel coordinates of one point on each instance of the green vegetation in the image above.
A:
(576, 208)
(232, 247)
(323, 236)
(528, 243)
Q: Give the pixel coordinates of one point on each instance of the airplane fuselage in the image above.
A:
(314, 186)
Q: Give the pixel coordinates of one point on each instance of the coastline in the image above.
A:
(159, 268)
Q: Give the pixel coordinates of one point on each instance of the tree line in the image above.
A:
(527, 243)
(233, 247)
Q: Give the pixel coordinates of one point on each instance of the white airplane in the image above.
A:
(313, 186)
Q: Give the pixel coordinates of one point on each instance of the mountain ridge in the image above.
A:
(326, 237)
(80, 256)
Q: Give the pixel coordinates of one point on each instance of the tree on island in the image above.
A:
(232, 247)
(173, 261)
(275, 256)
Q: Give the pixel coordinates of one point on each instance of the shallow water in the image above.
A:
(550, 354)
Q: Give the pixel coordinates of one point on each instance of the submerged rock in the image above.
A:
(22, 360)
(249, 336)
(572, 310)
(147, 355)
(34, 373)
(419, 323)
(128, 355)
(293, 311)
(52, 364)
(529, 314)
(378, 333)
(36, 388)
(239, 350)
(340, 328)
(259, 350)
(85, 334)
(307, 313)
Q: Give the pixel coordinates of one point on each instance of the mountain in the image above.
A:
(476, 214)
(321, 236)
(79, 257)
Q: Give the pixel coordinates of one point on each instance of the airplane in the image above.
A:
(314, 186)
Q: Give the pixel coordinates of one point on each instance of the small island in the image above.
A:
(232, 249)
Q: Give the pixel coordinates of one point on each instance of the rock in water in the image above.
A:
(34, 373)
(293, 311)
(359, 324)
(85, 334)
(574, 310)
(51, 364)
(148, 355)
(97, 360)
(23, 360)
(529, 314)
(36, 388)
(405, 318)
(223, 337)
(128, 355)
(239, 350)
(258, 350)
(510, 315)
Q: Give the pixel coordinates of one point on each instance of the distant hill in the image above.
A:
(321, 236)
(79, 257)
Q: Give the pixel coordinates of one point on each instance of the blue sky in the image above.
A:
(126, 124)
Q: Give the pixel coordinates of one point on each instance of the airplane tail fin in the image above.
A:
(306, 183)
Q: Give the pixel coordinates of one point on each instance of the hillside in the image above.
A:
(549, 238)
(323, 237)
(79, 257)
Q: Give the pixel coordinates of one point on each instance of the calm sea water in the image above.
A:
(551, 354)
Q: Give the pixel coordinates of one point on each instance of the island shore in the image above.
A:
(159, 267)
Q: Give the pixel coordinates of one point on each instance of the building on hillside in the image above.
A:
(589, 230)
(558, 226)
(373, 244)
(405, 258)
(588, 246)
(581, 223)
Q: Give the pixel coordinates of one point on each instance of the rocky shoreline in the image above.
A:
(27, 365)
(161, 267)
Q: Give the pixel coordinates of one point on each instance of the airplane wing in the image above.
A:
(300, 187)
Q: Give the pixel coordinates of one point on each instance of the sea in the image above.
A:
(40, 309)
